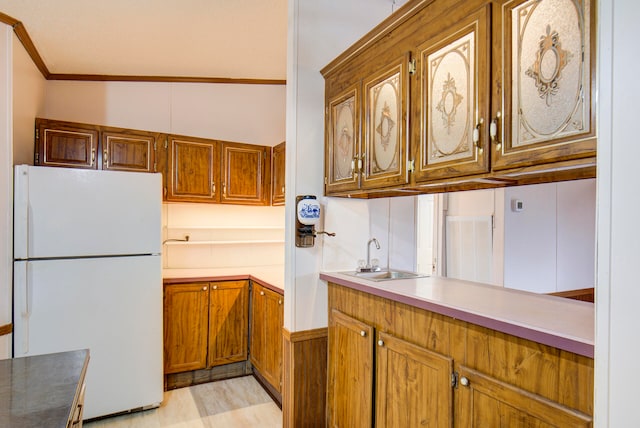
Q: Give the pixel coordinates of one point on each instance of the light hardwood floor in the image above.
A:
(239, 402)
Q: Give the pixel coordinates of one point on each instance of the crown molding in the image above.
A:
(22, 34)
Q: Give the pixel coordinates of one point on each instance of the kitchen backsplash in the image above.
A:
(201, 236)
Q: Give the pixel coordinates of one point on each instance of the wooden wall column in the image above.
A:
(304, 374)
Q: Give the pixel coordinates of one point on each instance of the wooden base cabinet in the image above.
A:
(486, 402)
(391, 365)
(412, 384)
(350, 372)
(267, 319)
(205, 324)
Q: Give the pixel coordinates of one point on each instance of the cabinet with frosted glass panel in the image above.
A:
(493, 90)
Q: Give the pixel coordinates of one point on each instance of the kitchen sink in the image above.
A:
(385, 275)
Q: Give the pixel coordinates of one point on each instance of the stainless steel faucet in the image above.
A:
(368, 267)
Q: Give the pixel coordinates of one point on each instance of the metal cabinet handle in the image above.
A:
(215, 287)
(105, 158)
(213, 187)
(363, 333)
(93, 156)
(476, 135)
(204, 288)
(279, 301)
(380, 342)
(493, 130)
(262, 293)
(464, 381)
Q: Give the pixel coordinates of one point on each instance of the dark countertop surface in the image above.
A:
(40, 391)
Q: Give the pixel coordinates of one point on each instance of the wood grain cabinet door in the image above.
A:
(257, 337)
(273, 322)
(547, 110)
(267, 319)
(66, 144)
(228, 322)
(386, 104)
(246, 174)
(454, 100)
(185, 327)
(350, 372)
(482, 401)
(128, 151)
(278, 162)
(342, 141)
(413, 385)
(194, 169)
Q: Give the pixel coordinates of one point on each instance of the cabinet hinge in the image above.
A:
(37, 158)
(155, 167)
(155, 146)
(37, 134)
(325, 181)
(411, 165)
(454, 379)
(412, 66)
(166, 142)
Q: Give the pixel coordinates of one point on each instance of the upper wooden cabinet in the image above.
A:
(194, 169)
(66, 144)
(278, 163)
(543, 108)
(366, 139)
(246, 172)
(78, 145)
(453, 108)
(493, 92)
(129, 150)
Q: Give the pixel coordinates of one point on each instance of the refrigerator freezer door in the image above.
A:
(113, 307)
(65, 212)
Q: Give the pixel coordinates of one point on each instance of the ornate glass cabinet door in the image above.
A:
(385, 133)
(546, 111)
(454, 100)
(342, 148)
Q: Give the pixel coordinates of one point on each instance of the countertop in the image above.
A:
(40, 391)
(271, 277)
(555, 321)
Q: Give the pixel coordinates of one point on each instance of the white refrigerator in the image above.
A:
(88, 274)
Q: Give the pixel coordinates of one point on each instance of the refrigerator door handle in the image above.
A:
(23, 297)
(21, 213)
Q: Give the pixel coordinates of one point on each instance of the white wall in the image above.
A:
(28, 103)
(617, 291)
(253, 114)
(549, 246)
(390, 220)
(318, 32)
(240, 236)
(6, 184)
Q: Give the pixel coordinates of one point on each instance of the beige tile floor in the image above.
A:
(239, 402)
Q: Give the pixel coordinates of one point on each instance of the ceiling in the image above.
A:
(229, 39)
